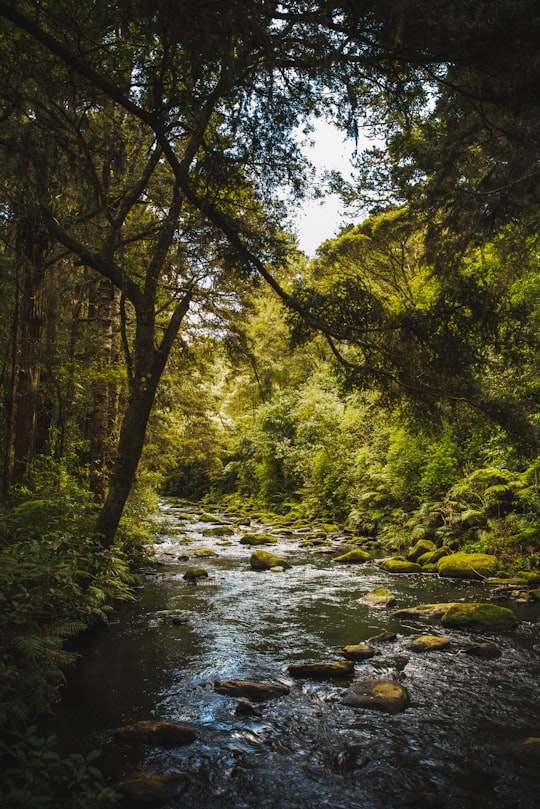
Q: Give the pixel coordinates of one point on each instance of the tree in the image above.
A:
(178, 126)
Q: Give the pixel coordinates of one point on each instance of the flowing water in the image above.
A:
(305, 750)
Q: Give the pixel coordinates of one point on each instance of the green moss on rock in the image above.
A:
(400, 566)
(263, 560)
(478, 616)
(354, 557)
(422, 546)
(468, 565)
(258, 539)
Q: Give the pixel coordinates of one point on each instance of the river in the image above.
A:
(305, 750)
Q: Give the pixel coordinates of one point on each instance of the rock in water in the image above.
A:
(152, 788)
(377, 695)
(167, 734)
(429, 643)
(321, 671)
(380, 597)
(359, 651)
(250, 689)
(263, 560)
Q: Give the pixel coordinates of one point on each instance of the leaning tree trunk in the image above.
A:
(149, 364)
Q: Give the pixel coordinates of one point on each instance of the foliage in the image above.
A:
(36, 776)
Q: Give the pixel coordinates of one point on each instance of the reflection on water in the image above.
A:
(305, 750)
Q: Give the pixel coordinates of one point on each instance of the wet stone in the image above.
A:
(166, 734)
(486, 651)
(321, 671)
(377, 695)
(379, 597)
(359, 651)
(429, 643)
(250, 689)
(152, 788)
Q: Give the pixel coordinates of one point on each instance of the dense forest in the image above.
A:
(162, 333)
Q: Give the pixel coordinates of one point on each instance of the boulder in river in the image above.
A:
(379, 597)
(461, 615)
(263, 560)
(422, 546)
(468, 565)
(394, 565)
(359, 651)
(429, 643)
(258, 539)
(377, 695)
(251, 689)
(202, 553)
(195, 573)
(486, 651)
(166, 734)
(321, 671)
(355, 557)
(152, 788)
(527, 748)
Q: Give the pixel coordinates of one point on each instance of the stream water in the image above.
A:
(305, 750)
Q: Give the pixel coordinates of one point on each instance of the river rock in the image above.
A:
(152, 788)
(258, 539)
(478, 616)
(377, 695)
(218, 531)
(205, 552)
(395, 565)
(321, 671)
(461, 615)
(355, 557)
(359, 651)
(486, 651)
(250, 689)
(263, 560)
(429, 643)
(380, 597)
(382, 636)
(195, 573)
(527, 748)
(166, 734)
(468, 565)
(422, 546)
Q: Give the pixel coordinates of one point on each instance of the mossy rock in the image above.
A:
(205, 552)
(400, 566)
(422, 546)
(429, 643)
(535, 594)
(468, 566)
(529, 576)
(205, 517)
(258, 539)
(166, 734)
(195, 573)
(379, 597)
(312, 543)
(377, 695)
(432, 557)
(262, 560)
(356, 557)
(321, 671)
(359, 651)
(478, 616)
(218, 531)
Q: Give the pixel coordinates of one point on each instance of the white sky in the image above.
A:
(319, 220)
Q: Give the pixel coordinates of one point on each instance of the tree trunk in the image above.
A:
(31, 245)
(149, 364)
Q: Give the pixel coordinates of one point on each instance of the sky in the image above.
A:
(319, 220)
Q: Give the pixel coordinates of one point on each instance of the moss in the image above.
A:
(218, 531)
(468, 565)
(478, 616)
(195, 573)
(258, 539)
(400, 566)
(262, 560)
(353, 557)
(204, 552)
(379, 597)
(422, 546)
(530, 576)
